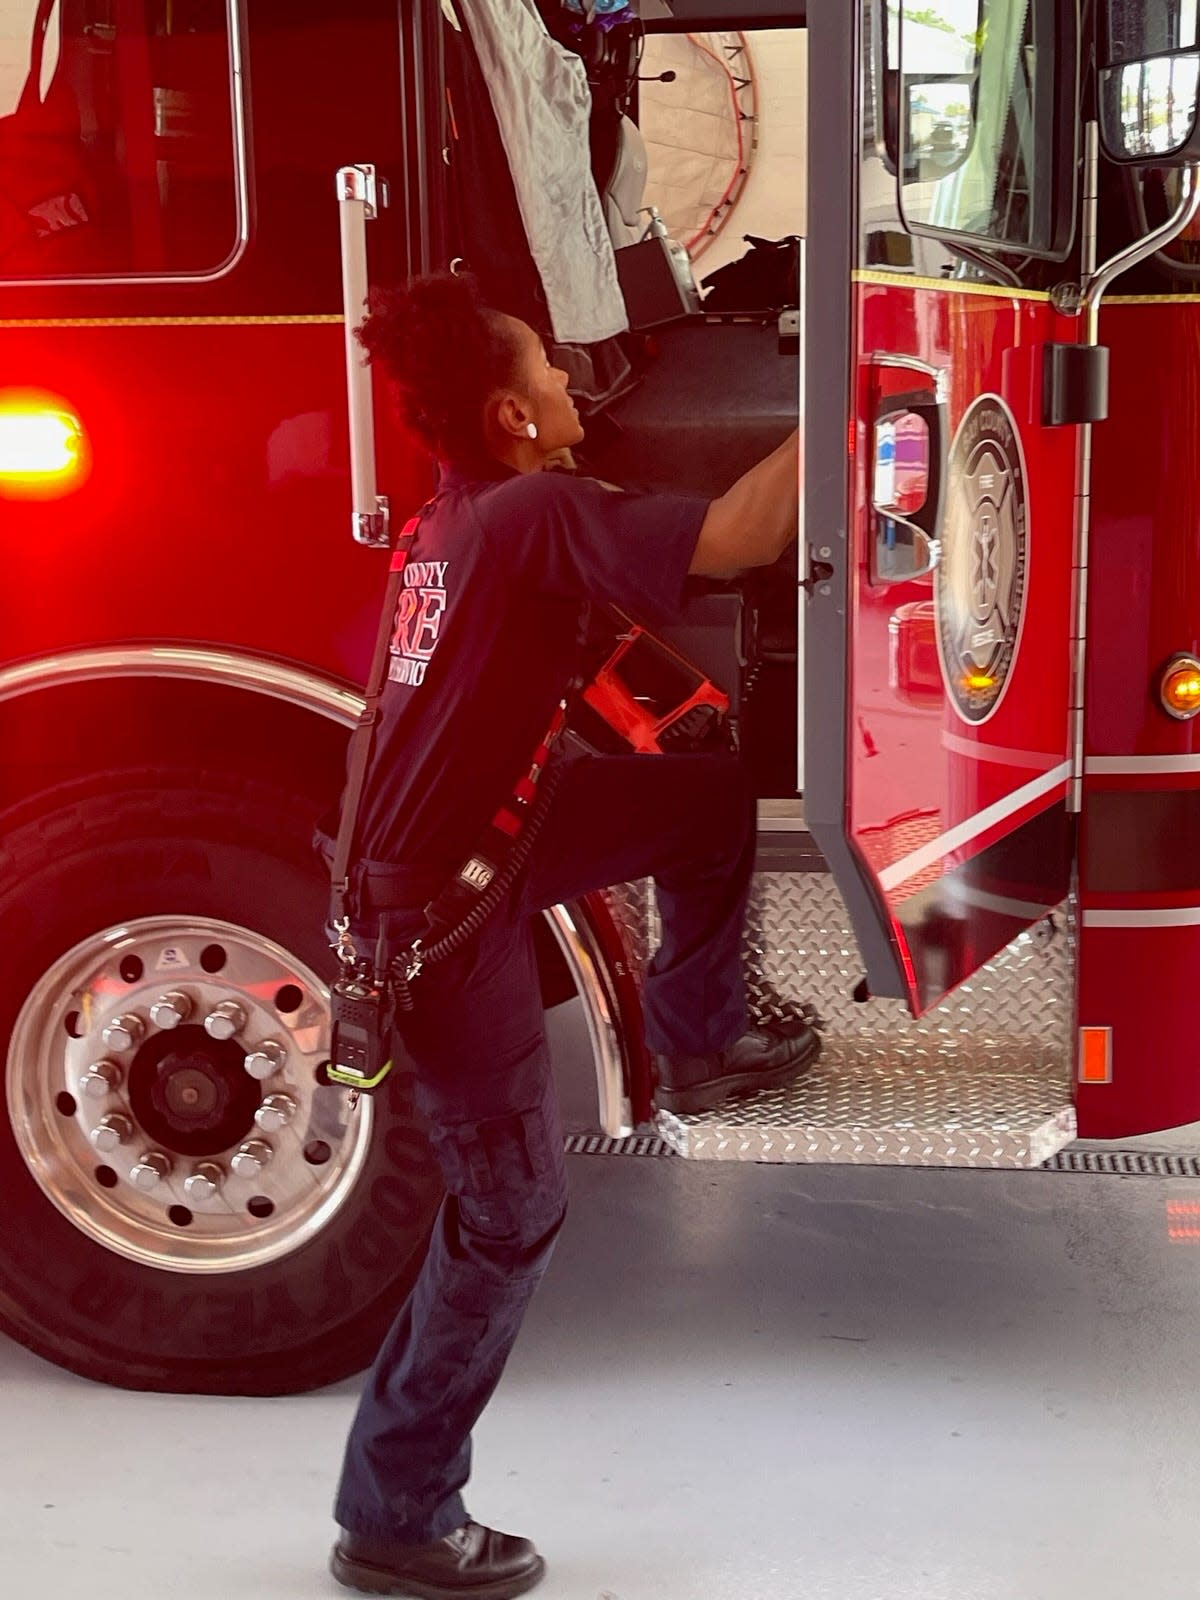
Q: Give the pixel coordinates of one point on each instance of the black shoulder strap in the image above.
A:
(362, 739)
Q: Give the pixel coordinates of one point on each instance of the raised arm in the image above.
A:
(752, 523)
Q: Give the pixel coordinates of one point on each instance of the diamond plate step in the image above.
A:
(982, 1080)
(1098, 1163)
(957, 1116)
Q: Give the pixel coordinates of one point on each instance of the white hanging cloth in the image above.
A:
(540, 95)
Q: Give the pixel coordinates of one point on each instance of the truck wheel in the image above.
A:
(185, 1209)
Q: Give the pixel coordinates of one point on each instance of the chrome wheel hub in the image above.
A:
(162, 1091)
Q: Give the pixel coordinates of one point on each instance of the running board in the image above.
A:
(889, 1115)
(983, 1080)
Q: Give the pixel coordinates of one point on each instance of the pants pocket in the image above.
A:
(508, 1179)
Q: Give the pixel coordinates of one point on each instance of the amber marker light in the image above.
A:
(1180, 687)
(42, 446)
(978, 680)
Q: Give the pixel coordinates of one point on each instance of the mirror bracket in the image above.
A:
(1180, 218)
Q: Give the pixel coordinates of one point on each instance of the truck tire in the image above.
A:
(163, 977)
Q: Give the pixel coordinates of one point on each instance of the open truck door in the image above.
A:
(942, 543)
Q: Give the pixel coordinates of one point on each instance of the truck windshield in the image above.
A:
(978, 120)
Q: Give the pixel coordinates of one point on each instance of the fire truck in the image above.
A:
(967, 696)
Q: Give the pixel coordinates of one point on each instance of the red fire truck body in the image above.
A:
(979, 796)
(1137, 883)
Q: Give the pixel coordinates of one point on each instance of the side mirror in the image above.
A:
(906, 487)
(934, 89)
(1150, 82)
(939, 123)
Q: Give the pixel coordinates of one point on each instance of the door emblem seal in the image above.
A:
(980, 581)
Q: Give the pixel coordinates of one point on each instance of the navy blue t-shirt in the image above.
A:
(486, 639)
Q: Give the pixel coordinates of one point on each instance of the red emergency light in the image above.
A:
(43, 449)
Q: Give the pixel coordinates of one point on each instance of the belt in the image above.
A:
(386, 885)
(395, 886)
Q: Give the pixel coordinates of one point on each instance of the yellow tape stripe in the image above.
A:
(909, 280)
(1149, 300)
(905, 280)
(895, 280)
(163, 322)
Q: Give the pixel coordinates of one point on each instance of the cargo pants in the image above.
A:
(483, 1082)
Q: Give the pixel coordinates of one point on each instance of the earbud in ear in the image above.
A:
(531, 429)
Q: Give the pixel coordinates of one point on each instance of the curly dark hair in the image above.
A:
(444, 352)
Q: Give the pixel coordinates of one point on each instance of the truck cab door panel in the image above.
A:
(938, 748)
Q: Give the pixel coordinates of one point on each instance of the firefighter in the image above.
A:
(486, 636)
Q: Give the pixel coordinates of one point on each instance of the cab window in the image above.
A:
(119, 144)
(985, 121)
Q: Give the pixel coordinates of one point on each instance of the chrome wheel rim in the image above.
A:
(135, 1111)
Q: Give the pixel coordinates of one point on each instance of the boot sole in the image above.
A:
(378, 1580)
(708, 1096)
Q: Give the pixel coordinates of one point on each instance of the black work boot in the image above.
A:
(765, 1058)
(472, 1563)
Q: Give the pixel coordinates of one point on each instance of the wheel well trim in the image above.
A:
(586, 934)
(277, 679)
(595, 953)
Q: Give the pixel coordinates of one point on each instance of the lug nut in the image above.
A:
(224, 1020)
(169, 1010)
(122, 1033)
(101, 1078)
(266, 1060)
(204, 1182)
(111, 1131)
(251, 1158)
(150, 1170)
(276, 1111)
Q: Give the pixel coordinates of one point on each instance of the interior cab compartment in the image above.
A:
(687, 405)
(716, 395)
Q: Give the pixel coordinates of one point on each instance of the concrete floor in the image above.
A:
(778, 1383)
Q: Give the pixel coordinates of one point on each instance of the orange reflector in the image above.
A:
(1180, 687)
(1095, 1055)
(1183, 1222)
(42, 447)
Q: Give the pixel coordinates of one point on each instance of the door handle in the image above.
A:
(908, 475)
(361, 194)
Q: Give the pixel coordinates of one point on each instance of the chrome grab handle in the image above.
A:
(360, 196)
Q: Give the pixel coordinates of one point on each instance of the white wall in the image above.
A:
(16, 32)
(773, 200)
